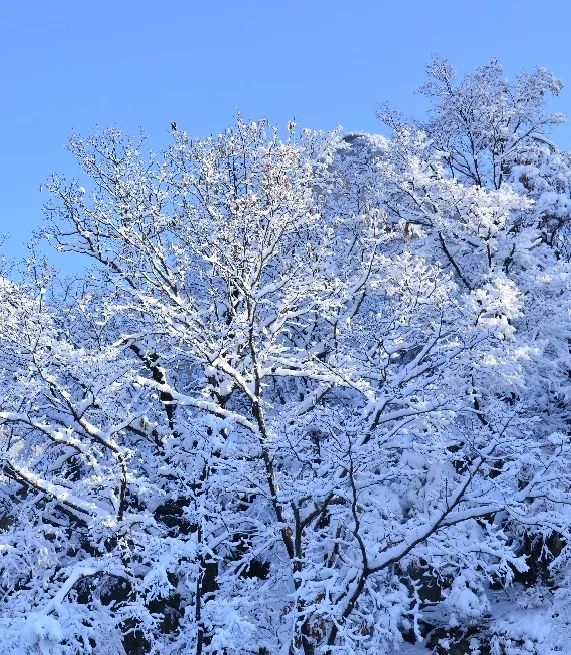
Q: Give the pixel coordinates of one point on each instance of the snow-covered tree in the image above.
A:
(310, 389)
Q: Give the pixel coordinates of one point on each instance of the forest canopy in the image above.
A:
(310, 397)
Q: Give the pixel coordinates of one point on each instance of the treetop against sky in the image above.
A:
(145, 64)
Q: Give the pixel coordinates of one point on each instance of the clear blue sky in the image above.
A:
(69, 66)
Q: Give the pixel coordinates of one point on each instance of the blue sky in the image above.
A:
(73, 66)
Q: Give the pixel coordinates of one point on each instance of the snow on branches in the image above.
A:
(310, 388)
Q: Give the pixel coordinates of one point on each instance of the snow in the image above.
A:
(44, 633)
(316, 390)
